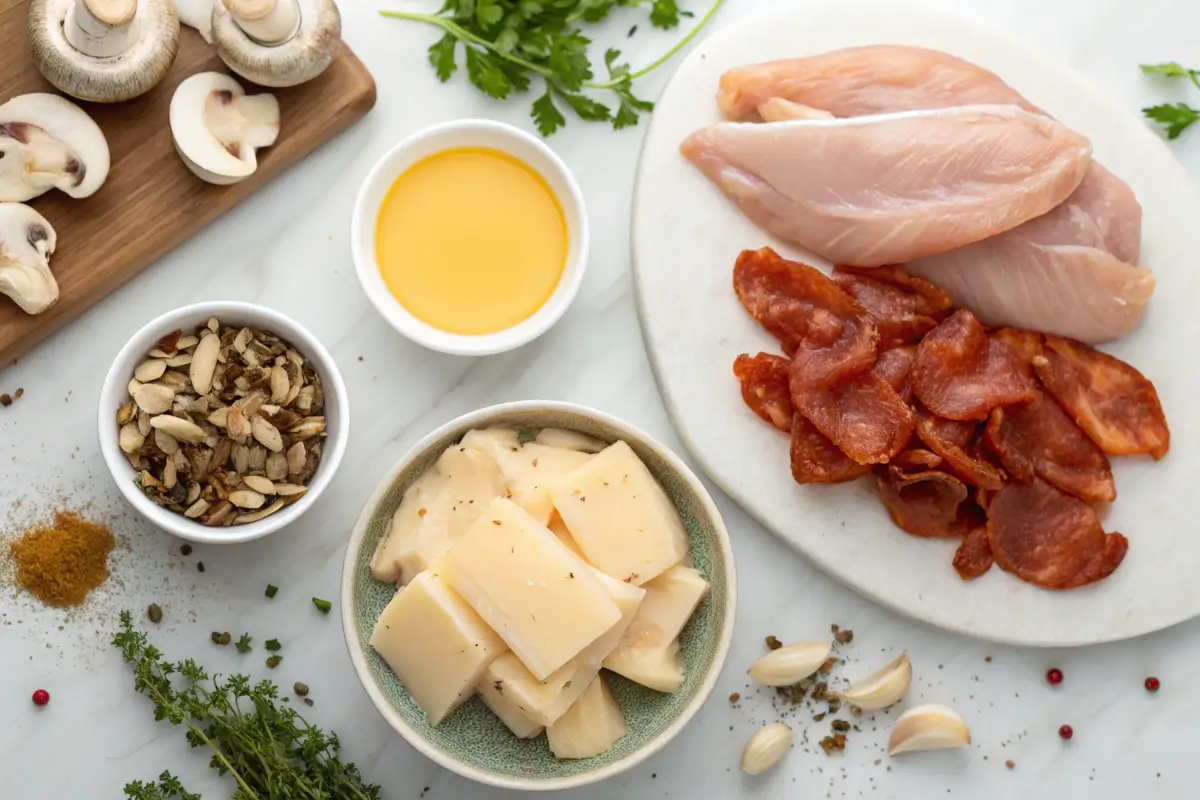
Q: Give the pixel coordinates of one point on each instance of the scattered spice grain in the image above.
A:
(301, 688)
(154, 612)
(733, 698)
(186, 550)
(62, 561)
(773, 643)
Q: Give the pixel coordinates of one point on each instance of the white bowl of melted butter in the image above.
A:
(470, 237)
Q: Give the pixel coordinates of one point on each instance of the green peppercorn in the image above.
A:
(154, 612)
(301, 688)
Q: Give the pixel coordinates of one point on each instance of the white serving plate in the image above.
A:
(686, 236)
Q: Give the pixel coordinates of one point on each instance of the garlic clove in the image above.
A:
(765, 748)
(882, 688)
(790, 664)
(928, 727)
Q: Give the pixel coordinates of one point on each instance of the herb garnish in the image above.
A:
(272, 645)
(243, 644)
(271, 590)
(509, 42)
(322, 605)
(1178, 117)
(269, 750)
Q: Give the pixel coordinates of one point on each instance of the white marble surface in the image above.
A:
(287, 248)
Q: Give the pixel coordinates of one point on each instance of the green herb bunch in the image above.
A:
(268, 749)
(508, 44)
(1177, 117)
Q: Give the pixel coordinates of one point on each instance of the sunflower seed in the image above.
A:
(296, 456)
(153, 398)
(204, 363)
(259, 484)
(181, 429)
(267, 434)
(277, 466)
(131, 439)
(258, 515)
(165, 441)
(197, 508)
(247, 498)
(289, 489)
(150, 370)
(126, 412)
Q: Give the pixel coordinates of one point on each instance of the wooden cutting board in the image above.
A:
(151, 202)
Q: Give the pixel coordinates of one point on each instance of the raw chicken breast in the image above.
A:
(1066, 272)
(891, 188)
(1082, 253)
(855, 82)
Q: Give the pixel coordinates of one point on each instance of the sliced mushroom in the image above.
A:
(26, 242)
(103, 51)
(197, 14)
(217, 127)
(277, 42)
(48, 142)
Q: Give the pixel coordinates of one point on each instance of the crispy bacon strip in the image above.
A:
(904, 307)
(764, 380)
(974, 556)
(960, 373)
(930, 504)
(815, 459)
(1049, 538)
(1114, 403)
(958, 443)
(864, 417)
(1039, 439)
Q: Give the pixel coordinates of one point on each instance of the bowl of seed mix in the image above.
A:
(223, 422)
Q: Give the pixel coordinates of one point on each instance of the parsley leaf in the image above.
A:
(441, 56)
(322, 605)
(546, 116)
(1174, 118)
(1172, 69)
(272, 645)
(243, 644)
(508, 42)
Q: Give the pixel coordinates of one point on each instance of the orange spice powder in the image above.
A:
(59, 563)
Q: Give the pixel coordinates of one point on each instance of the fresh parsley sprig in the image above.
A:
(1177, 117)
(508, 44)
(268, 749)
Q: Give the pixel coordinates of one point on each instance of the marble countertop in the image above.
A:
(287, 248)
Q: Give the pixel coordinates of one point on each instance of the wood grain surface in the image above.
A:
(151, 202)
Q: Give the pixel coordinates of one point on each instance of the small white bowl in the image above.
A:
(115, 392)
(445, 136)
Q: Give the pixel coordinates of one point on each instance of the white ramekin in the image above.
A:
(445, 136)
(115, 392)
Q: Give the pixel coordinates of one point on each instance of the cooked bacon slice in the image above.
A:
(764, 380)
(1050, 538)
(960, 373)
(863, 417)
(929, 504)
(894, 366)
(815, 459)
(904, 306)
(1038, 438)
(974, 556)
(957, 442)
(1027, 345)
(1114, 403)
(916, 459)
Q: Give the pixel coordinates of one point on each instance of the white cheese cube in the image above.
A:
(569, 440)
(559, 529)
(590, 727)
(533, 591)
(529, 469)
(621, 518)
(509, 712)
(435, 512)
(646, 654)
(546, 701)
(436, 644)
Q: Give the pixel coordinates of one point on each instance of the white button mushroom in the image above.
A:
(48, 142)
(103, 51)
(26, 242)
(277, 42)
(217, 127)
(197, 14)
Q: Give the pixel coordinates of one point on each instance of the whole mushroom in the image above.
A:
(103, 51)
(26, 242)
(48, 142)
(217, 127)
(276, 42)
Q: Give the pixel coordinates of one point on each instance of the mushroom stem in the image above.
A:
(101, 28)
(268, 22)
(26, 242)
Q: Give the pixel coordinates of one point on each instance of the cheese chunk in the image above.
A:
(436, 511)
(436, 644)
(648, 648)
(590, 727)
(509, 712)
(546, 701)
(569, 440)
(621, 518)
(559, 529)
(529, 469)
(535, 593)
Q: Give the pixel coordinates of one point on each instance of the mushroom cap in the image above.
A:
(112, 12)
(222, 149)
(26, 242)
(301, 58)
(70, 125)
(104, 80)
(197, 14)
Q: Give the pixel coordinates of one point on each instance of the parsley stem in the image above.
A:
(682, 43)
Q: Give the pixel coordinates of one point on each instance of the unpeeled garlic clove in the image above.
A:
(881, 689)
(928, 727)
(765, 748)
(790, 664)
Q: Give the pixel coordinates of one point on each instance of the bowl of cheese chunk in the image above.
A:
(539, 596)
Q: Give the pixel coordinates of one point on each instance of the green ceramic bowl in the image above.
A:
(472, 741)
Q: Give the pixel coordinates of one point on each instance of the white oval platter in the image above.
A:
(686, 237)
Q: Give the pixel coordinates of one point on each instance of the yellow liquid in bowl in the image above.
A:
(471, 240)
